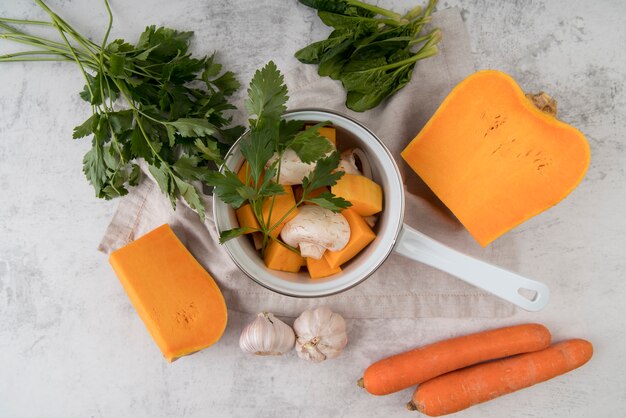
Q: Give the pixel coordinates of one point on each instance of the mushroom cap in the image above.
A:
(316, 229)
(292, 169)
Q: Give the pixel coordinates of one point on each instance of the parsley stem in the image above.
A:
(4, 58)
(35, 41)
(63, 27)
(25, 22)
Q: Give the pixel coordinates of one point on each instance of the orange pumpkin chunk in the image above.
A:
(320, 268)
(360, 236)
(279, 257)
(365, 195)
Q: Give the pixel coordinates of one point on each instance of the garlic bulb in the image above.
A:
(320, 334)
(266, 336)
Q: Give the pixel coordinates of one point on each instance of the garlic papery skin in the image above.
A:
(320, 334)
(267, 336)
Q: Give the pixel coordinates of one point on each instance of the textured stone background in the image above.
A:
(72, 345)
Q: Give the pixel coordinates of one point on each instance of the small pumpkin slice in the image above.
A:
(493, 158)
(365, 195)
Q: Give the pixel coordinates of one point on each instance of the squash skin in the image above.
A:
(493, 158)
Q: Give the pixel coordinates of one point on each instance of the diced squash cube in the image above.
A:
(246, 218)
(365, 195)
(279, 257)
(320, 268)
(360, 236)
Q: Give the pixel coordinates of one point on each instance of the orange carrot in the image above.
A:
(461, 389)
(416, 366)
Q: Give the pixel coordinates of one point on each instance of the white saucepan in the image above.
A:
(391, 234)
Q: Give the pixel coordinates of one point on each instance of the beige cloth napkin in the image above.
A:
(401, 288)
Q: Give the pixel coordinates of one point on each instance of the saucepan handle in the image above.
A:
(502, 283)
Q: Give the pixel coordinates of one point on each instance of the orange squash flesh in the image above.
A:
(360, 236)
(493, 158)
(176, 298)
(244, 173)
(283, 203)
(365, 195)
(320, 268)
(246, 218)
(279, 257)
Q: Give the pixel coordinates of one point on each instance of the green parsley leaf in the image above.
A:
(310, 145)
(191, 196)
(226, 187)
(87, 127)
(232, 233)
(323, 174)
(193, 127)
(330, 201)
(267, 94)
(209, 151)
(177, 117)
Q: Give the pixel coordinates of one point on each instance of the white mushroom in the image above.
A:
(292, 169)
(316, 229)
(350, 161)
(347, 163)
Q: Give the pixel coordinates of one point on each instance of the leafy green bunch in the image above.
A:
(151, 101)
(371, 50)
(263, 146)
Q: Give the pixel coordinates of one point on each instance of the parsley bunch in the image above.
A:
(270, 136)
(371, 50)
(151, 101)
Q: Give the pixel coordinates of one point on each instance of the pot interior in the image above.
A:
(384, 171)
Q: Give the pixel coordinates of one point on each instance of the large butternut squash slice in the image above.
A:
(493, 158)
(176, 298)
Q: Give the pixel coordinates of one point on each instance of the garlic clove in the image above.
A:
(267, 335)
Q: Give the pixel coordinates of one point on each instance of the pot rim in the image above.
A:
(382, 258)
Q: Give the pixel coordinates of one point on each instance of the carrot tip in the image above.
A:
(411, 406)
(360, 383)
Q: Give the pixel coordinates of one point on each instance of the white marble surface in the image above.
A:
(72, 345)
